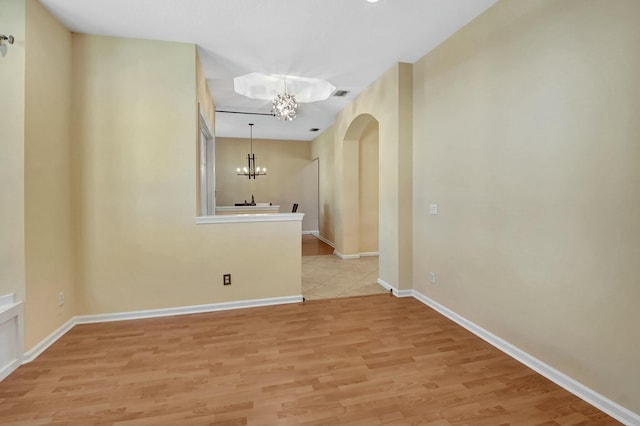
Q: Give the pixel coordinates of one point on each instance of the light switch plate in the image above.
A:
(433, 208)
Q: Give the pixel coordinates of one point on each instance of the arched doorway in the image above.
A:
(361, 182)
(357, 216)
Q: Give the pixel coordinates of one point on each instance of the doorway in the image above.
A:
(354, 271)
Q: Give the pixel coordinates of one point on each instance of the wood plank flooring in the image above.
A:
(364, 360)
(312, 246)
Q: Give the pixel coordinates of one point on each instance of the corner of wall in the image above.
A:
(49, 225)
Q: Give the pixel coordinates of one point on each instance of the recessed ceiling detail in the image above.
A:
(347, 43)
(267, 86)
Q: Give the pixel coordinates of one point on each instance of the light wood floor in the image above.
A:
(312, 246)
(365, 360)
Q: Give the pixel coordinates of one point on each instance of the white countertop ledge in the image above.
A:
(246, 208)
(243, 218)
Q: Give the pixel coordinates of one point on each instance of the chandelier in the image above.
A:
(251, 170)
(285, 107)
(269, 87)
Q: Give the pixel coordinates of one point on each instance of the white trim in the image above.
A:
(346, 256)
(258, 217)
(310, 233)
(394, 290)
(386, 285)
(207, 179)
(186, 310)
(12, 310)
(7, 299)
(578, 389)
(355, 256)
(204, 120)
(8, 312)
(370, 254)
(34, 352)
(9, 368)
(323, 239)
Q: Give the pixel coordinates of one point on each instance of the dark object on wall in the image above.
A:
(8, 38)
(295, 208)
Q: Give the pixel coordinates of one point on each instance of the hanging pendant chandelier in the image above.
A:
(285, 104)
(251, 170)
(285, 107)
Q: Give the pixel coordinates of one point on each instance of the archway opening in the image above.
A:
(361, 186)
(357, 220)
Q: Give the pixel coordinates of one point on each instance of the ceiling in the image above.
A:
(349, 43)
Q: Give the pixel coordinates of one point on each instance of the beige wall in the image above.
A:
(291, 176)
(405, 173)
(368, 189)
(12, 103)
(203, 95)
(526, 134)
(48, 221)
(384, 100)
(323, 149)
(134, 134)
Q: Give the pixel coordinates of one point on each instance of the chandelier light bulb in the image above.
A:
(285, 107)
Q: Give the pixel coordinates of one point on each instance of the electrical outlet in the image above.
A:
(432, 277)
(61, 298)
(226, 279)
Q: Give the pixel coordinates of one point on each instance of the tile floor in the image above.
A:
(328, 276)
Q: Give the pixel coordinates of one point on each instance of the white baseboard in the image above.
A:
(346, 256)
(394, 290)
(354, 256)
(309, 233)
(33, 353)
(370, 254)
(186, 310)
(152, 313)
(323, 239)
(601, 402)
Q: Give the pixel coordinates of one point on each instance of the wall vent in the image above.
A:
(314, 129)
(340, 93)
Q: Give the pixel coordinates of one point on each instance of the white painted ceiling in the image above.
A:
(349, 43)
